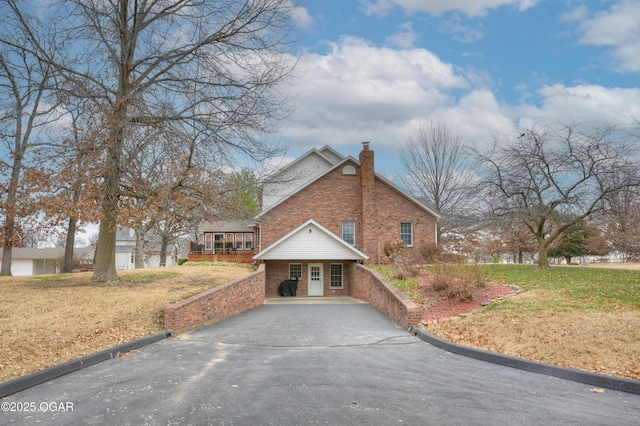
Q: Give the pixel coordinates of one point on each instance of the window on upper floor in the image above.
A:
(349, 232)
(406, 233)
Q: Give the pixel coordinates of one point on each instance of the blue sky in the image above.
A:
(373, 70)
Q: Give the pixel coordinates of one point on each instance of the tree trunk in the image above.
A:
(163, 251)
(543, 259)
(67, 264)
(104, 266)
(6, 259)
(9, 228)
(139, 253)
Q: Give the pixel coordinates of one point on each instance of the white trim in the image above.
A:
(310, 225)
(312, 291)
(341, 276)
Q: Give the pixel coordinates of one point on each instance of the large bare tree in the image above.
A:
(26, 107)
(551, 177)
(211, 69)
(439, 170)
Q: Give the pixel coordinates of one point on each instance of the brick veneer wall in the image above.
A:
(278, 270)
(335, 198)
(371, 287)
(217, 303)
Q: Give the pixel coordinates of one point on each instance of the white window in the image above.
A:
(239, 243)
(248, 241)
(208, 241)
(295, 270)
(349, 232)
(336, 275)
(406, 233)
(218, 242)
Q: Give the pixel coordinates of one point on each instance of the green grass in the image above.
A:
(384, 270)
(574, 287)
(142, 276)
(48, 278)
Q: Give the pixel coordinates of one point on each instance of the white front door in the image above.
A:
(316, 281)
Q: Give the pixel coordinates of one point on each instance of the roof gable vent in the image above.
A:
(349, 170)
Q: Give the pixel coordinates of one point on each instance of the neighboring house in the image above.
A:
(341, 212)
(38, 261)
(126, 250)
(225, 241)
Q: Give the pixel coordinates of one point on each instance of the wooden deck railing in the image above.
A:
(238, 257)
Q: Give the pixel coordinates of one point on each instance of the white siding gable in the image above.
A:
(310, 241)
(295, 176)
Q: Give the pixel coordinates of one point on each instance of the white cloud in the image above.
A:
(357, 92)
(619, 29)
(583, 103)
(476, 116)
(461, 32)
(405, 37)
(301, 17)
(436, 7)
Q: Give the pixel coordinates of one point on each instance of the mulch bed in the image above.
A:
(438, 306)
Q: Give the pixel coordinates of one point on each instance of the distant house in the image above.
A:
(321, 214)
(126, 250)
(229, 241)
(39, 261)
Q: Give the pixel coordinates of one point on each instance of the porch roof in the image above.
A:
(311, 241)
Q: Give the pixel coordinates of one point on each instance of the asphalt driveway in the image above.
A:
(300, 364)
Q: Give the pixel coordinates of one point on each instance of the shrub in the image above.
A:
(458, 281)
(430, 253)
(182, 261)
(441, 282)
(460, 292)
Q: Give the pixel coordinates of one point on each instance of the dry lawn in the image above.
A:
(541, 325)
(50, 319)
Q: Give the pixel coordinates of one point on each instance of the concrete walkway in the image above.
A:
(299, 364)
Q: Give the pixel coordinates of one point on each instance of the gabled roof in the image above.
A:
(227, 226)
(344, 160)
(326, 153)
(45, 253)
(311, 241)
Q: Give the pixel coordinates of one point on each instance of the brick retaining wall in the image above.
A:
(217, 303)
(371, 287)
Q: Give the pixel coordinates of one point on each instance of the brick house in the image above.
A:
(325, 212)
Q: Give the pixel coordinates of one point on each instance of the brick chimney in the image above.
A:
(369, 210)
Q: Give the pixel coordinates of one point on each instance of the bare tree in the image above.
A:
(26, 108)
(438, 169)
(211, 69)
(550, 178)
(620, 223)
(74, 179)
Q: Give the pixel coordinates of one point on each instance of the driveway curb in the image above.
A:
(599, 380)
(21, 383)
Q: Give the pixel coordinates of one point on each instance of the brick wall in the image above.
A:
(369, 286)
(217, 303)
(277, 271)
(335, 198)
